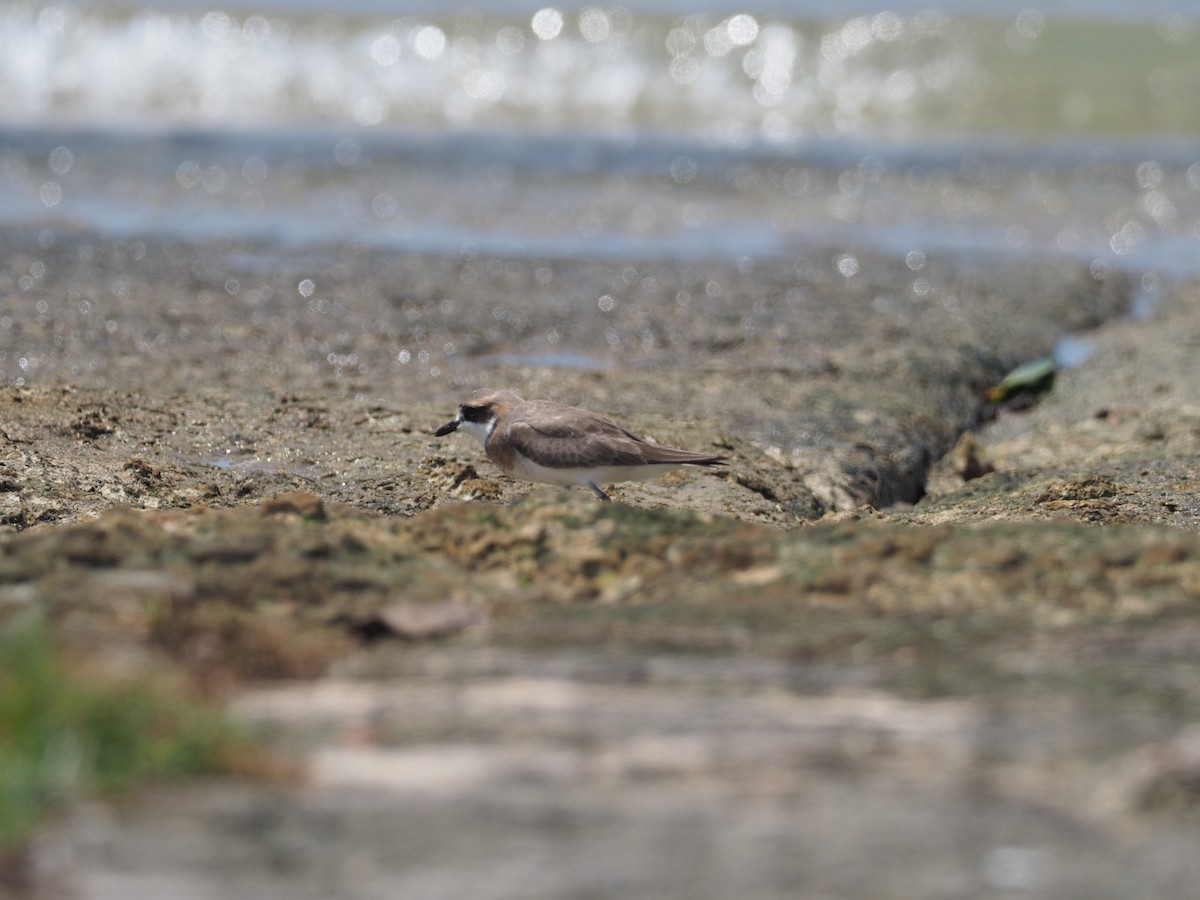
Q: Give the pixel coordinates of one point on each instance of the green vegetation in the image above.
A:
(1033, 377)
(65, 732)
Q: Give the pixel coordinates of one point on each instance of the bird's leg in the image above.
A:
(599, 493)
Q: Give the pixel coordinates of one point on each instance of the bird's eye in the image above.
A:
(474, 413)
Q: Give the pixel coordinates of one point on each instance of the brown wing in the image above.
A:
(563, 437)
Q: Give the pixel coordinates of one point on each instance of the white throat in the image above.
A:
(481, 431)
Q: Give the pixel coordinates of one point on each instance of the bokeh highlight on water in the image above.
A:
(645, 129)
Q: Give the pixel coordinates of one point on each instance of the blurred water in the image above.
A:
(652, 128)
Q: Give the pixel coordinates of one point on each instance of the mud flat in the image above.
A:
(835, 670)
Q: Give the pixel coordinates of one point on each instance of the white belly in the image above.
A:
(528, 470)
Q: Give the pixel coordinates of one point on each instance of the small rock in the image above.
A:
(300, 503)
(969, 459)
(1152, 431)
(418, 621)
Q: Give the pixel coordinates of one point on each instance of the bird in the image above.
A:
(550, 443)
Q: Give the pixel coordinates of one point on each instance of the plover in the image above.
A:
(535, 440)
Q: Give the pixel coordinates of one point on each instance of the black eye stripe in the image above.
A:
(474, 413)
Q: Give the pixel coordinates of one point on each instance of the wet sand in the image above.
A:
(853, 372)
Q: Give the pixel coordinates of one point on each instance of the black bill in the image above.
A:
(447, 428)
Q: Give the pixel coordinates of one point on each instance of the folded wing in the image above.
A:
(575, 438)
